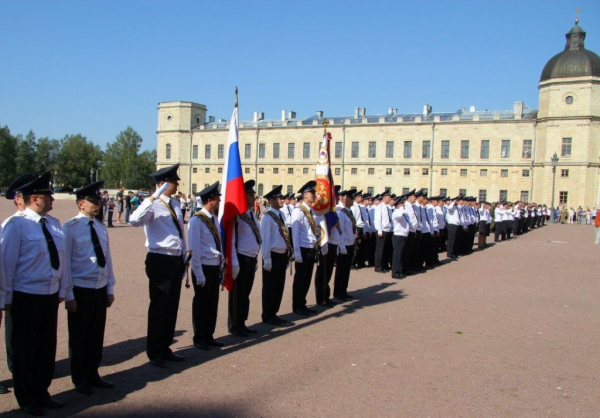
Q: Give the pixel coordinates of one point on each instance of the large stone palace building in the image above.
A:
(493, 155)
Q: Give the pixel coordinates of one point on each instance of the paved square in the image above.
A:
(511, 331)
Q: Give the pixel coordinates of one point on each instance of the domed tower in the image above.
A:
(569, 123)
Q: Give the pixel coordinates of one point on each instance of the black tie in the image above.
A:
(54, 261)
(97, 247)
(175, 221)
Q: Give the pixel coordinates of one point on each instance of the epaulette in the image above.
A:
(72, 222)
(13, 217)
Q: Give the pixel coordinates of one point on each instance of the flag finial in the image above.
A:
(325, 123)
(236, 96)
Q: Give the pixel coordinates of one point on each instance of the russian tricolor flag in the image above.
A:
(233, 194)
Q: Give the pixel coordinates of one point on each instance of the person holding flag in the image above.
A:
(327, 219)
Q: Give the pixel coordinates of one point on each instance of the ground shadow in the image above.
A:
(137, 378)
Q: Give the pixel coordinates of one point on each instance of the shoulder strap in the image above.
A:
(283, 231)
(252, 225)
(349, 215)
(173, 216)
(211, 227)
(310, 218)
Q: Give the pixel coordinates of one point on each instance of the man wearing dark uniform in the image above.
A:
(246, 242)
(304, 235)
(208, 263)
(277, 252)
(34, 263)
(162, 219)
(89, 268)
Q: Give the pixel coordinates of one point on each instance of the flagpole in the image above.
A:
(324, 269)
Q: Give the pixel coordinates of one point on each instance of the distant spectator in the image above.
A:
(183, 205)
(120, 202)
(135, 202)
(128, 205)
(597, 223)
(110, 209)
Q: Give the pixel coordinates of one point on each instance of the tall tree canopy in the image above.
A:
(8, 157)
(77, 158)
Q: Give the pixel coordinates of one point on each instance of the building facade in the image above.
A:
(493, 155)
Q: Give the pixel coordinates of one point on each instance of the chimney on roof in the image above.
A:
(427, 110)
(283, 113)
(392, 111)
(291, 114)
(319, 113)
(471, 108)
(211, 119)
(258, 116)
(518, 110)
(363, 111)
(356, 112)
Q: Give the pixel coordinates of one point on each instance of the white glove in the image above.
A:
(161, 190)
(298, 259)
(267, 265)
(380, 235)
(235, 270)
(325, 249)
(200, 281)
(343, 249)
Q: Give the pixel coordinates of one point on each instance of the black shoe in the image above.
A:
(84, 389)
(158, 362)
(3, 390)
(341, 297)
(301, 312)
(283, 322)
(271, 321)
(34, 410)
(239, 333)
(201, 345)
(354, 268)
(378, 271)
(249, 330)
(50, 403)
(398, 276)
(310, 311)
(214, 343)
(172, 357)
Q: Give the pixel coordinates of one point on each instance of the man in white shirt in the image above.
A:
(453, 224)
(305, 236)
(371, 203)
(208, 263)
(246, 246)
(90, 271)
(277, 252)
(36, 283)
(431, 258)
(162, 220)
(499, 216)
(410, 252)
(347, 239)
(401, 230)
(382, 221)
(359, 260)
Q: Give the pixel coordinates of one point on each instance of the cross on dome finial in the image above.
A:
(577, 16)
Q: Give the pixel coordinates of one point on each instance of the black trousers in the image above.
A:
(451, 249)
(205, 304)
(500, 231)
(324, 273)
(8, 339)
(361, 252)
(165, 273)
(407, 253)
(86, 333)
(516, 226)
(273, 285)
(398, 242)
(531, 222)
(239, 297)
(425, 250)
(370, 245)
(342, 272)
(383, 251)
(33, 341)
(302, 278)
(471, 238)
(443, 239)
(416, 259)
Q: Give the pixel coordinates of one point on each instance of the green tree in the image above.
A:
(8, 156)
(125, 165)
(77, 158)
(26, 154)
(47, 153)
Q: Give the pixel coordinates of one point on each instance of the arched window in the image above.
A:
(168, 151)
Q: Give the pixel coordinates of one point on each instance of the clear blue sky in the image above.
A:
(94, 67)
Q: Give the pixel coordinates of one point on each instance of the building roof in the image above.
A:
(458, 116)
(575, 60)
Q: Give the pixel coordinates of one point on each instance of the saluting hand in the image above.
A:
(110, 299)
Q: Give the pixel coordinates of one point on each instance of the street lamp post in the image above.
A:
(554, 160)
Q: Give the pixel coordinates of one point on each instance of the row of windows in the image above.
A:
(484, 150)
(388, 171)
